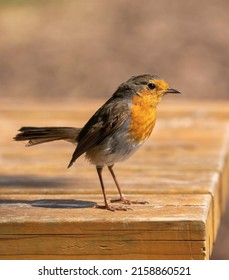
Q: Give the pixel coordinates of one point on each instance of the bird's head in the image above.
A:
(150, 84)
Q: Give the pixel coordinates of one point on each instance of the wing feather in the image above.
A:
(103, 123)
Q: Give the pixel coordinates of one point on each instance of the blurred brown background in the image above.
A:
(88, 47)
(54, 49)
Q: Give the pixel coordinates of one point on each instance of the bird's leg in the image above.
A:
(106, 206)
(122, 197)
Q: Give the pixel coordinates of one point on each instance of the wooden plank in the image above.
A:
(183, 170)
(73, 245)
(146, 183)
(175, 224)
(173, 207)
(193, 153)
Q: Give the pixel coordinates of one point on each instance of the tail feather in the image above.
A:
(38, 135)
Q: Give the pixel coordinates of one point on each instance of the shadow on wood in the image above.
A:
(51, 203)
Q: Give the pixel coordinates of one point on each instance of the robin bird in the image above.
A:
(114, 132)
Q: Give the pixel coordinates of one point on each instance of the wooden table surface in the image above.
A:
(182, 171)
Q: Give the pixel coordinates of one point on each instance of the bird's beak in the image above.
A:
(171, 90)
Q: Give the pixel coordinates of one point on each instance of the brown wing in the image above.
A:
(105, 121)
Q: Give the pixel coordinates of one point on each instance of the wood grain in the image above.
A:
(183, 171)
(146, 230)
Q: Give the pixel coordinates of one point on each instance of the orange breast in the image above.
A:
(143, 117)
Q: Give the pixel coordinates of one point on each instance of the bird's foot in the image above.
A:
(113, 208)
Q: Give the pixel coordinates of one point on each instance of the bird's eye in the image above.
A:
(151, 86)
